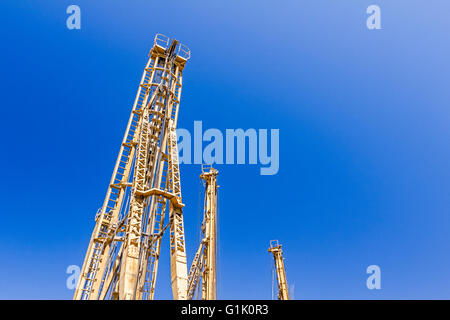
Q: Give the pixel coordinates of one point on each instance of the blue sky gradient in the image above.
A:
(364, 132)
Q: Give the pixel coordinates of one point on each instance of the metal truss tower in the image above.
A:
(203, 270)
(275, 249)
(144, 195)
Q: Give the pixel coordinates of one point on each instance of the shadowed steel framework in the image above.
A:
(144, 195)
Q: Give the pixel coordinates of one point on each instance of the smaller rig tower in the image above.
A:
(204, 266)
(275, 249)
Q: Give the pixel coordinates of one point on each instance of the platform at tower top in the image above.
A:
(162, 43)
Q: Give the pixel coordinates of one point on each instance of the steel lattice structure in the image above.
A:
(275, 249)
(203, 270)
(144, 195)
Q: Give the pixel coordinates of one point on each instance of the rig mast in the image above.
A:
(275, 249)
(122, 258)
(204, 265)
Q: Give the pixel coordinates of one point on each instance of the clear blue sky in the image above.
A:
(364, 138)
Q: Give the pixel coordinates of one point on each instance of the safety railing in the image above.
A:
(164, 42)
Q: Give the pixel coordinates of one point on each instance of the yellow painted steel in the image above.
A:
(122, 258)
(275, 249)
(204, 266)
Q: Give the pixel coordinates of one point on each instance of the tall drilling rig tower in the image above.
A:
(275, 249)
(144, 195)
(203, 271)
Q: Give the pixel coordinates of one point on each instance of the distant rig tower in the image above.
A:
(144, 196)
(203, 272)
(275, 249)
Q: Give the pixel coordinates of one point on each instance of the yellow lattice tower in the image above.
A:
(144, 194)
